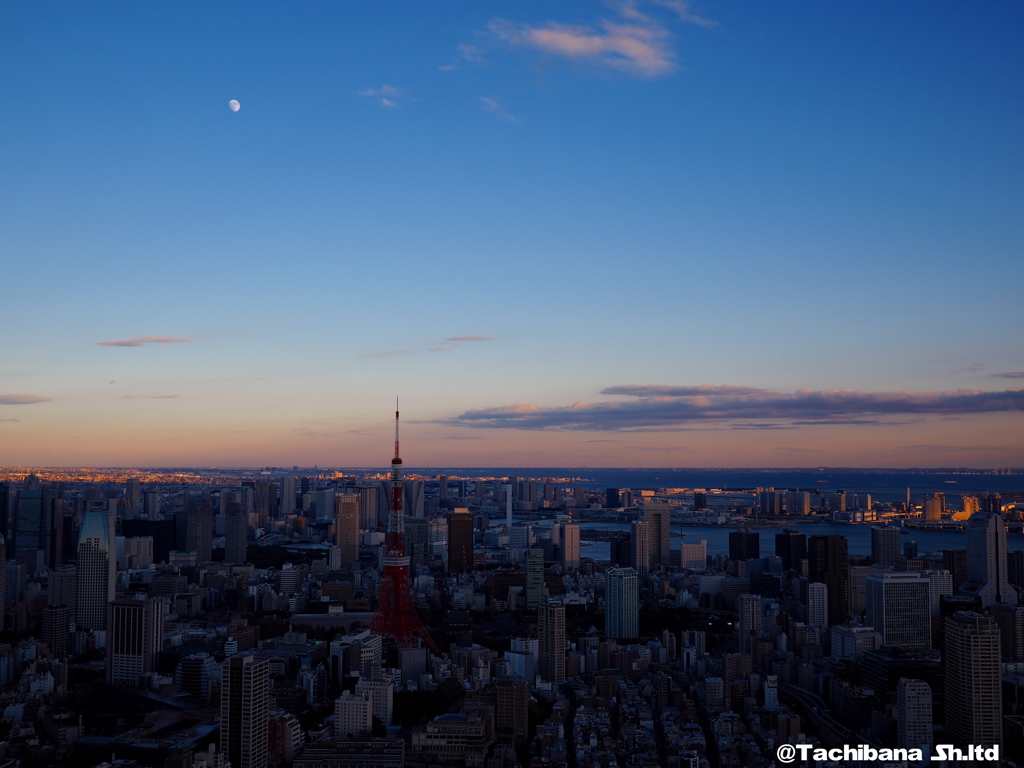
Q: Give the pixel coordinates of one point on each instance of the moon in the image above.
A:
(234, 106)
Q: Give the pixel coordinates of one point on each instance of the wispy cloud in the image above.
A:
(471, 53)
(303, 432)
(1009, 375)
(461, 437)
(10, 419)
(655, 407)
(149, 397)
(141, 341)
(385, 96)
(686, 13)
(387, 353)
(495, 108)
(22, 399)
(637, 42)
(470, 338)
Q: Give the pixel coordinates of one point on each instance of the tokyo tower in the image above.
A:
(396, 615)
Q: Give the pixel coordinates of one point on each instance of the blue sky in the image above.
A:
(818, 196)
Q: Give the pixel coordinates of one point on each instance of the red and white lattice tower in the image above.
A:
(396, 615)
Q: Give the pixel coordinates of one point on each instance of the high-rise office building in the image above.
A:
(96, 569)
(955, 561)
(817, 605)
(899, 608)
(442, 487)
(659, 531)
(694, 555)
(1010, 619)
(346, 527)
(534, 578)
(133, 492)
(885, 544)
(3, 581)
(460, 541)
(6, 499)
(914, 715)
(57, 630)
(511, 710)
(621, 604)
(570, 546)
(791, 548)
(700, 500)
(744, 544)
(986, 560)
(415, 498)
(197, 535)
(974, 710)
(135, 634)
(551, 641)
(38, 527)
(288, 493)
(640, 544)
(611, 498)
(798, 503)
(60, 589)
(770, 502)
(828, 562)
(748, 624)
(236, 533)
(244, 703)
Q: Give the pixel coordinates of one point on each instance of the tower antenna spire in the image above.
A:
(397, 454)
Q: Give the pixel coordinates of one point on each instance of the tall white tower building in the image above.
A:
(97, 569)
(621, 604)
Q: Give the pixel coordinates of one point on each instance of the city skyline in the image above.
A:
(628, 234)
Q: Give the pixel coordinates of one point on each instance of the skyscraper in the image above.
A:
(244, 703)
(974, 710)
(694, 555)
(38, 527)
(198, 533)
(97, 569)
(61, 587)
(346, 527)
(135, 636)
(551, 641)
(744, 544)
(288, 493)
(829, 563)
(236, 533)
(3, 581)
(817, 605)
(534, 578)
(899, 608)
(770, 502)
(885, 544)
(460, 541)
(640, 544)
(57, 630)
(748, 624)
(659, 532)
(986, 560)
(791, 548)
(798, 503)
(621, 604)
(570, 546)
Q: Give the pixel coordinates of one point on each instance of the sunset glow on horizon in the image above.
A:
(631, 234)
